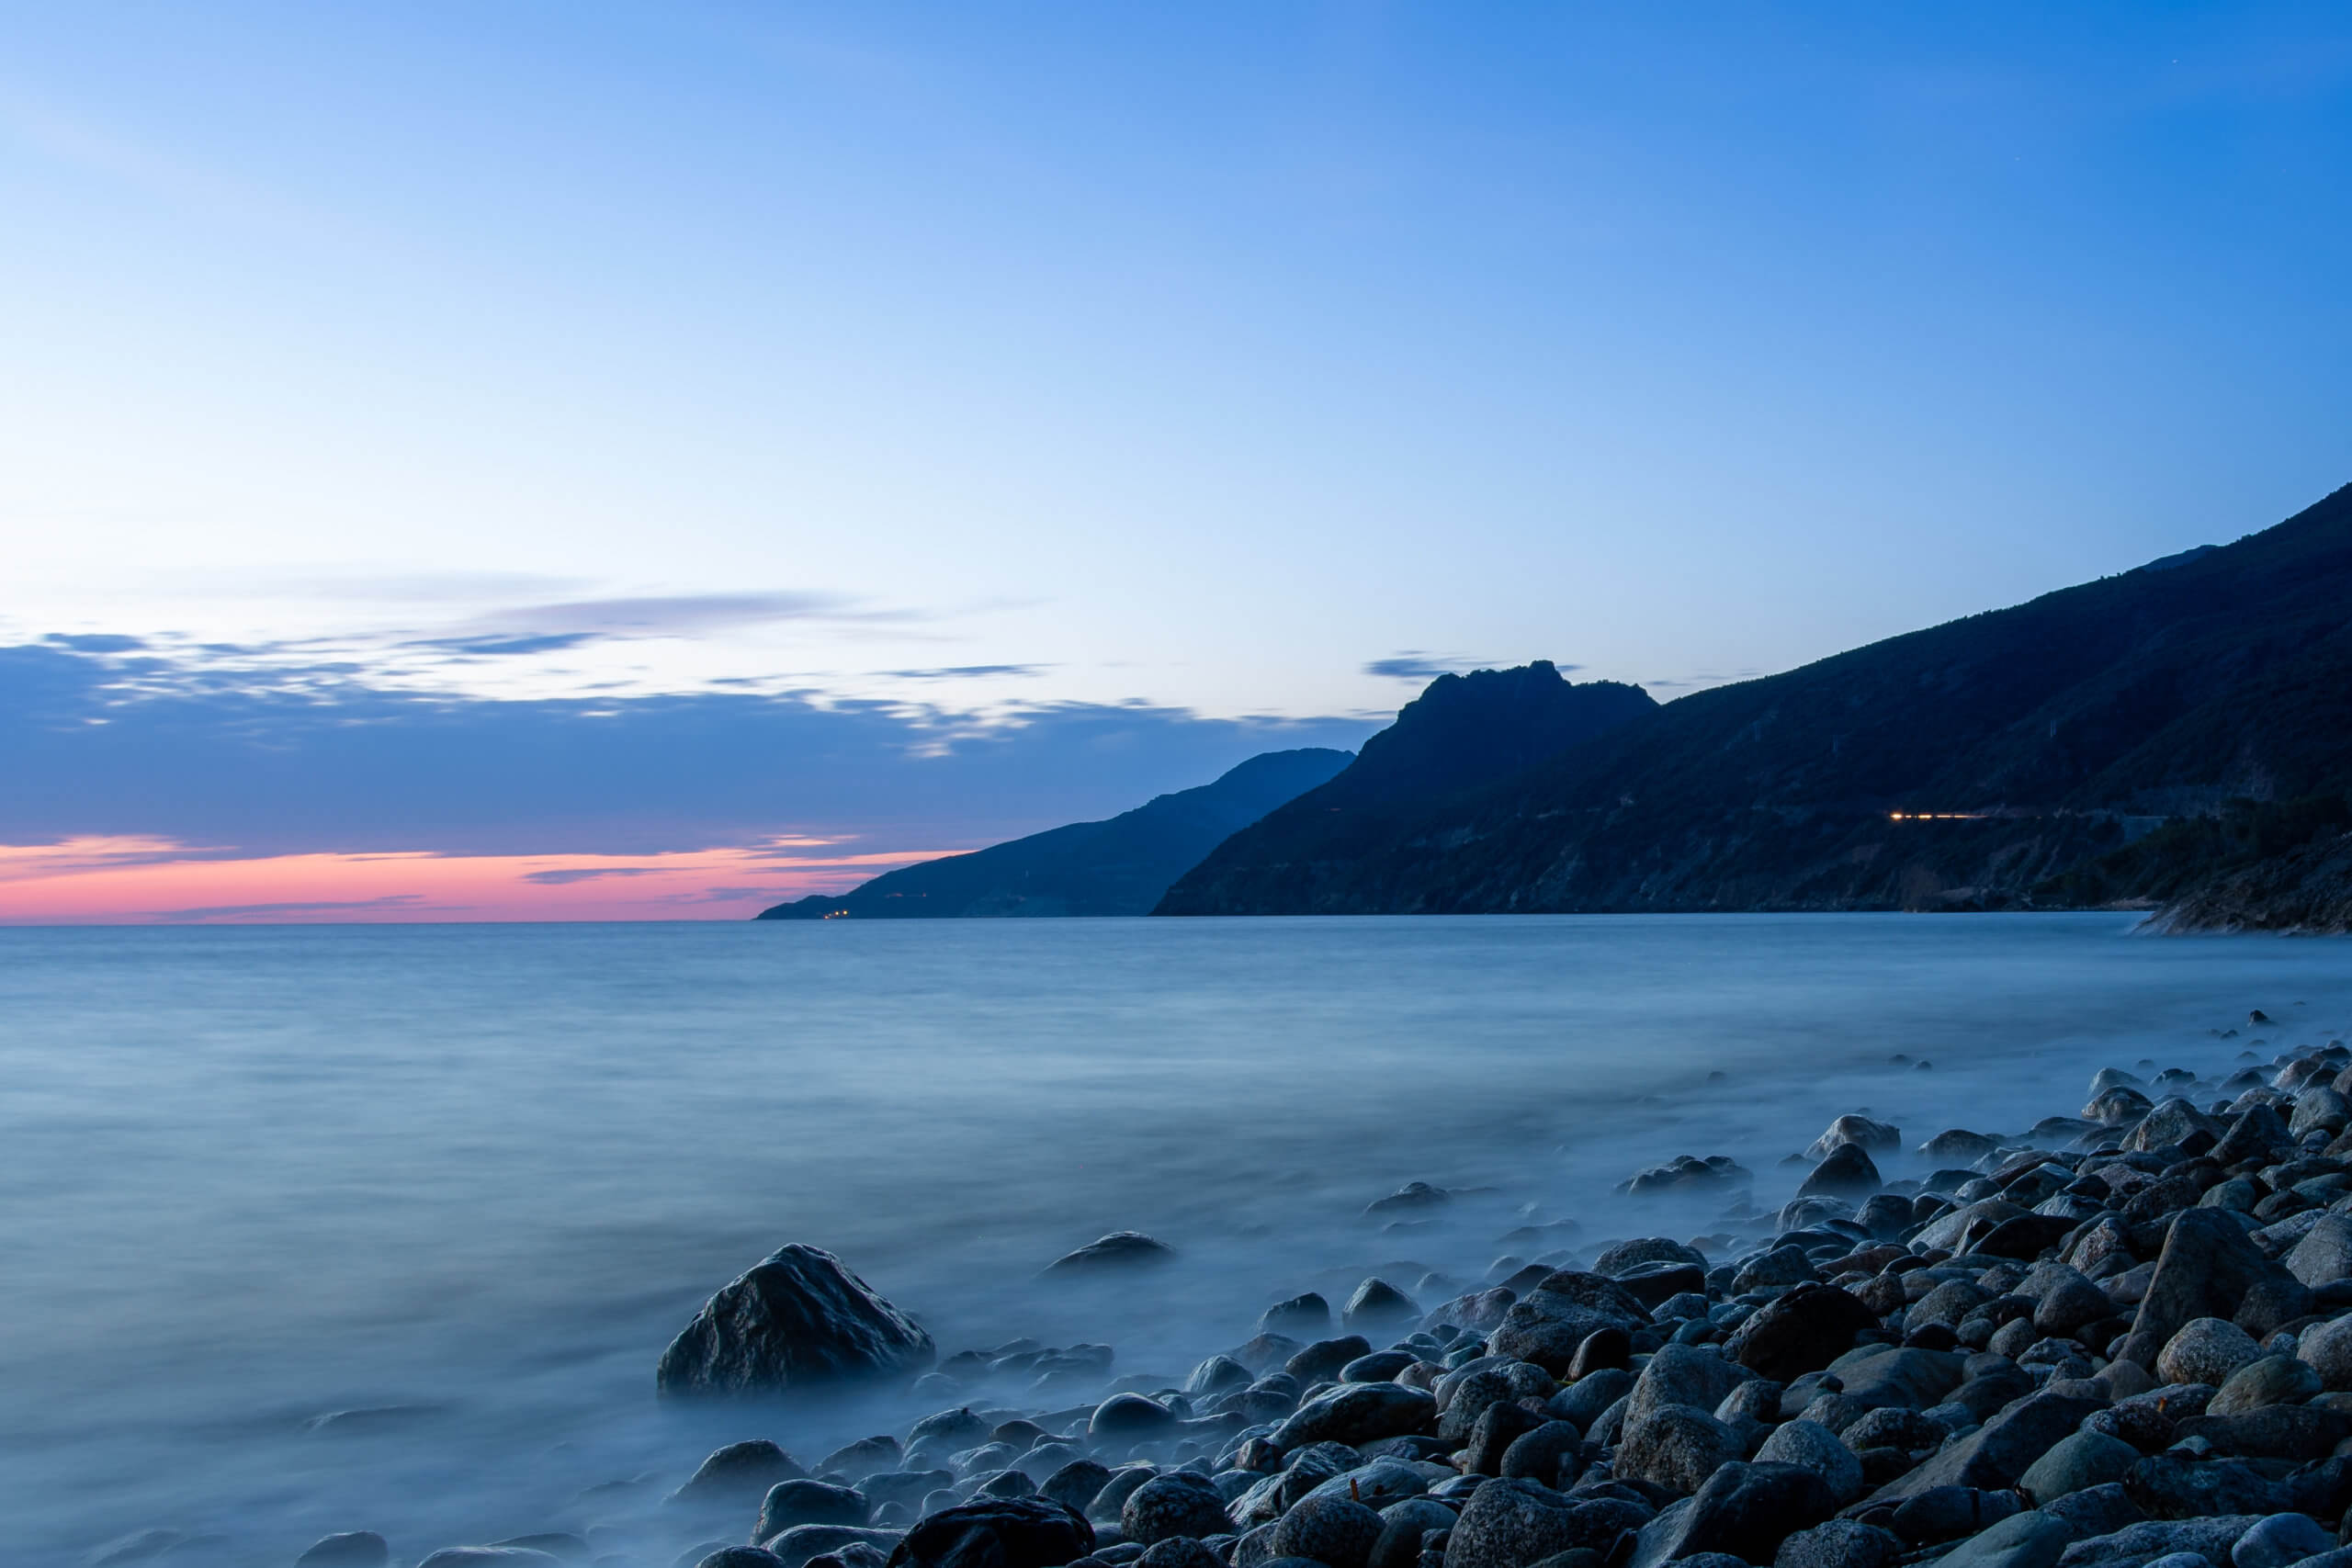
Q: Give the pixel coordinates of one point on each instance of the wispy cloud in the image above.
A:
(1412, 664)
(314, 907)
(967, 671)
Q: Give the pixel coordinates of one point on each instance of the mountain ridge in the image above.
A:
(1119, 865)
(1976, 764)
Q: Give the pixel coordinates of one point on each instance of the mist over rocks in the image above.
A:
(2161, 1353)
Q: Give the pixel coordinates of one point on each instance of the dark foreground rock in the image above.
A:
(997, 1532)
(798, 1319)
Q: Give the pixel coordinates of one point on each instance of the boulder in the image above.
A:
(2174, 1485)
(2326, 1349)
(349, 1548)
(2135, 1546)
(1800, 1332)
(996, 1533)
(808, 1502)
(1402, 1526)
(1309, 1314)
(2280, 1540)
(2324, 1255)
(1746, 1510)
(1355, 1414)
(1548, 1323)
(2267, 1380)
(2210, 1269)
(1336, 1531)
(1511, 1524)
(2030, 1540)
(1376, 1303)
(1948, 1513)
(797, 1320)
(1857, 1132)
(1840, 1543)
(1998, 1453)
(1179, 1502)
(801, 1542)
(1848, 1172)
(1675, 1447)
(2075, 1463)
(1130, 1417)
(1117, 1253)
(2206, 1351)
(1811, 1446)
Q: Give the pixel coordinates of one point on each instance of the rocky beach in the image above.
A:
(2120, 1336)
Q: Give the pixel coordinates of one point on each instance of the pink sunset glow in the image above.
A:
(127, 880)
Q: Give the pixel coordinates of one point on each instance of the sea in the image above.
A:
(317, 1228)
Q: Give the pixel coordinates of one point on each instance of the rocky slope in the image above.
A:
(1120, 866)
(2010, 758)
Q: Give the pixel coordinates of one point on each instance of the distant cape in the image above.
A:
(1120, 866)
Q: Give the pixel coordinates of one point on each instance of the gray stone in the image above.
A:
(2029, 1540)
(1376, 1303)
(2136, 1546)
(1848, 1172)
(1675, 1447)
(1746, 1510)
(2206, 1351)
(1540, 1455)
(1357, 1413)
(2082, 1459)
(1402, 1526)
(806, 1501)
(1179, 1502)
(1802, 1331)
(1948, 1513)
(1811, 1446)
(2096, 1510)
(1911, 1377)
(1129, 1418)
(1336, 1531)
(2326, 1349)
(797, 1320)
(1583, 1401)
(2210, 1269)
(1998, 1453)
(2280, 1540)
(2175, 1486)
(1179, 1552)
(1680, 1374)
(2267, 1380)
(1839, 1543)
(1119, 1252)
(2325, 1252)
(1510, 1524)
(1858, 1130)
(1548, 1324)
(1375, 1485)
(1016, 1532)
(1076, 1484)
(801, 1542)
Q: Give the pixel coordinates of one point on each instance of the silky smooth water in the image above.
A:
(468, 1180)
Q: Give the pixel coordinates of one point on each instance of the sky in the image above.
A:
(581, 460)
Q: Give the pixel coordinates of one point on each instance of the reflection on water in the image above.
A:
(453, 1188)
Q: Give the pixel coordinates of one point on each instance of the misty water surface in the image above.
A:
(473, 1177)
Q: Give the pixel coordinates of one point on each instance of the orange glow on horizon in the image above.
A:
(150, 880)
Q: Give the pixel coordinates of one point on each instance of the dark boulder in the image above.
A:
(1179, 1502)
(1511, 1524)
(2173, 1485)
(806, 1501)
(1847, 1172)
(1119, 1251)
(1998, 1454)
(1802, 1331)
(738, 1475)
(797, 1319)
(996, 1533)
(1746, 1510)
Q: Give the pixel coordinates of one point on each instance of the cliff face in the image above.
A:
(2015, 758)
(1119, 866)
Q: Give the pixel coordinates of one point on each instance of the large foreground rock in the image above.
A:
(797, 1319)
(1998, 1454)
(997, 1532)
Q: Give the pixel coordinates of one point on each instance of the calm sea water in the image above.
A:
(471, 1178)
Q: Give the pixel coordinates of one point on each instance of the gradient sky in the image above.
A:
(779, 440)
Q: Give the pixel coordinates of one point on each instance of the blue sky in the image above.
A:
(1202, 363)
